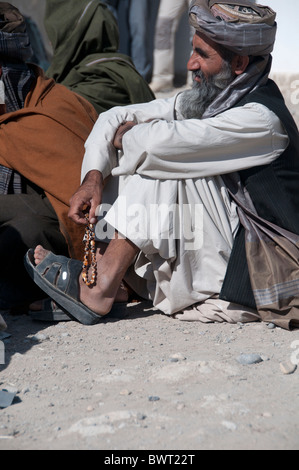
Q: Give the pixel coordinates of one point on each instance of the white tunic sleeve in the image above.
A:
(100, 154)
(238, 139)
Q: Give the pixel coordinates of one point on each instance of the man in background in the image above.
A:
(43, 128)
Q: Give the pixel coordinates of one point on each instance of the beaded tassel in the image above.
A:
(89, 260)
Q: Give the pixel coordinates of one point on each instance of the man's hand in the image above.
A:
(118, 138)
(88, 196)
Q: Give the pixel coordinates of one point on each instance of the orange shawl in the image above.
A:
(44, 142)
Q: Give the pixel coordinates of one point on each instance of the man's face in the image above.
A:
(205, 57)
(211, 75)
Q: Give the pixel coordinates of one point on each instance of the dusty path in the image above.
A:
(146, 381)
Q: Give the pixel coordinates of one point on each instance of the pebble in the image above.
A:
(125, 392)
(39, 337)
(247, 359)
(153, 398)
(287, 367)
(229, 425)
(177, 357)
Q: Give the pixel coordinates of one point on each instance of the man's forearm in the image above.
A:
(100, 153)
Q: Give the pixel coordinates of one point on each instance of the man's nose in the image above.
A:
(193, 63)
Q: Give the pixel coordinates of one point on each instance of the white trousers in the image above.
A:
(170, 12)
(185, 232)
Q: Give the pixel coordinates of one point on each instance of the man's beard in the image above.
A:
(194, 102)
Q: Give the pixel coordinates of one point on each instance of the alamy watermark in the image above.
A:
(182, 222)
(295, 93)
(295, 354)
(2, 353)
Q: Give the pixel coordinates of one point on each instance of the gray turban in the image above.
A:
(244, 28)
(240, 26)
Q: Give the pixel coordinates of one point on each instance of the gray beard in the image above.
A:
(194, 102)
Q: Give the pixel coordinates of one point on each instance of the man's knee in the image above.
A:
(34, 230)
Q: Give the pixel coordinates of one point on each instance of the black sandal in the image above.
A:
(58, 276)
(50, 312)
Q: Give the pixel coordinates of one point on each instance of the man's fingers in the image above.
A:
(77, 216)
(87, 198)
(121, 131)
(78, 208)
(95, 203)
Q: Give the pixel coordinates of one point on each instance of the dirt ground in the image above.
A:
(144, 381)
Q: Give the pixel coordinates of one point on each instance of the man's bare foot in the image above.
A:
(91, 297)
(39, 254)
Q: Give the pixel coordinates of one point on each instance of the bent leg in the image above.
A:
(112, 266)
(25, 221)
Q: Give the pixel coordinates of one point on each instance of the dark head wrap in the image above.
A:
(17, 76)
(11, 20)
(244, 28)
(14, 41)
(85, 39)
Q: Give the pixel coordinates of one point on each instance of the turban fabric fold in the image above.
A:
(240, 26)
(245, 29)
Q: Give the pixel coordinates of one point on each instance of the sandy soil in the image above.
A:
(146, 381)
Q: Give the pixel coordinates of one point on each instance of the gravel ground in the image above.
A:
(146, 381)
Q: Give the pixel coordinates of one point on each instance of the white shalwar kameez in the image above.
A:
(174, 163)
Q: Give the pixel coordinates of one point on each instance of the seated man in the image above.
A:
(85, 40)
(174, 154)
(43, 127)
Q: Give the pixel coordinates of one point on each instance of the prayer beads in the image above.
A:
(89, 260)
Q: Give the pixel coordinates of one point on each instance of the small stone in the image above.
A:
(266, 414)
(177, 357)
(125, 392)
(39, 337)
(271, 326)
(180, 406)
(248, 359)
(229, 425)
(287, 367)
(153, 398)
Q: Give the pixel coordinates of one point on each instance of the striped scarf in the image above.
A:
(18, 79)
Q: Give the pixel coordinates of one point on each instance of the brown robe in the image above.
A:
(44, 142)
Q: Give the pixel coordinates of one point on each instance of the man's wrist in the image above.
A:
(94, 176)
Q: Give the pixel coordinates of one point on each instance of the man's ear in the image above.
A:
(240, 63)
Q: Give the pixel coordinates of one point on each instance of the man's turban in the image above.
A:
(14, 40)
(240, 26)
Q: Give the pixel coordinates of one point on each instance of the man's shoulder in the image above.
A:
(270, 96)
(269, 92)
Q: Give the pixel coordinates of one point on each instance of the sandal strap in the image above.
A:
(61, 272)
(58, 277)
